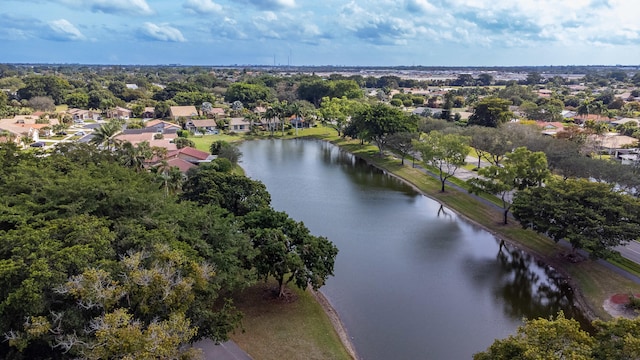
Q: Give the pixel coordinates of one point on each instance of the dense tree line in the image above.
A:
(98, 261)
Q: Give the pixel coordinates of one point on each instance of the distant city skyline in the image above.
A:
(311, 32)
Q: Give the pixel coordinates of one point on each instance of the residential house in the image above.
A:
(550, 128)
(206, 125)
(427, 111)
(239, 124)
(628, 156)
(149, 112)
(80, 115)
(136, 136)
(624, 121)
(162, 126)
(612, 141)
(215, 112)
(568, 114)
(194, 156)
(119, 113)
(298, 122)
(186, 112)
(181, 164)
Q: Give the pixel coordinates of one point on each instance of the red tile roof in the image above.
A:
(195, 153)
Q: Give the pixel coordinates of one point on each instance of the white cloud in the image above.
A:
(272, 4)
(203, 6)
(64, 30)
(124, 7)
(162, 32)
(420, 6)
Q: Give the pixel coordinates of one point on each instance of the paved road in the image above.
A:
(224, 351)
(630, 251)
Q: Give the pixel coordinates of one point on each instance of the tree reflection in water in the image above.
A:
(526, 287)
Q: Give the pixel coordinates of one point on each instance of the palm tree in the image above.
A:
(135, 156)
(296, 110)
(270, 115)
(105, 134)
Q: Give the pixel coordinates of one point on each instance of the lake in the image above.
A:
(412, 279)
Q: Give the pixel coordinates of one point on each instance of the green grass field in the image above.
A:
(294, 328)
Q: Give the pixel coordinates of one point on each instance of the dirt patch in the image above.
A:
(618, 306)
(336, 322)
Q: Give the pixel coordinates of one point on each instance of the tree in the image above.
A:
(105, 133)
(520, 169)
(226, 150)
(444, 152)
(617, 339)
(52, 86)
(588, 215)
(379, 121)
(485, 79)
(287, 249)
(402, 142)
(491, 112)
(161, 110)
(549, 339)
(234, 193)
(132, 156)
(490, 144)
(336, 112)
(247, 94)
(182, 142)
(42, 103)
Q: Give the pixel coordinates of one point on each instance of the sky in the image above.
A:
(321, 32)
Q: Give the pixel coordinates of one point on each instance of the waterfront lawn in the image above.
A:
(276, 329)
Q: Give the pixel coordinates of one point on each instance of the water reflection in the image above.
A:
(523, 285)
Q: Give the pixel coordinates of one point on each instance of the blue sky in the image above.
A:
(321, 32)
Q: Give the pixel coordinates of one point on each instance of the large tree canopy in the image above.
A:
(247, 94)
(99, 262)
(589, 215)
(378, 122)
(491, 111)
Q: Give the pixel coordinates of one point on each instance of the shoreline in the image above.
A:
(339, 327)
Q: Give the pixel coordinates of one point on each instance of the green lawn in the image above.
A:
(294, 328)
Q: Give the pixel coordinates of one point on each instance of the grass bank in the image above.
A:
(294, 328)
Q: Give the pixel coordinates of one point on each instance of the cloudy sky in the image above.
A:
(321, 32)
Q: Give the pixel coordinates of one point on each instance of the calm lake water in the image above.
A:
(412, 280)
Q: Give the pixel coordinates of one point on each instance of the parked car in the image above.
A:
(37, 144)
(80, 133)
(62, 133)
